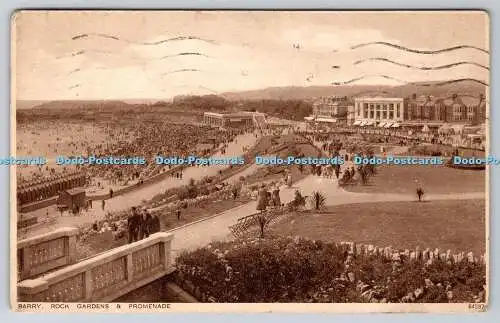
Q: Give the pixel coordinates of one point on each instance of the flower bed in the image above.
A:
(299, 270)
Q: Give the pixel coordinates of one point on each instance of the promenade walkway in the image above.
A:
(135, 197)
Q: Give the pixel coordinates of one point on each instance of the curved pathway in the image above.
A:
(215, 228)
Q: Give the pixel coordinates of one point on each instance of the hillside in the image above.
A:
(280, 93)
(28, 104)
(298, 93)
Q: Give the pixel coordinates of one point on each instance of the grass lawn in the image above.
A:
(433, 180)
(458, 225)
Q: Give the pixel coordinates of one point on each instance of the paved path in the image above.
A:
(216, 228)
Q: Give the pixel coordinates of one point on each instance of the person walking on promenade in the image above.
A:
(276, 197)
(111, 193)
(103, 204)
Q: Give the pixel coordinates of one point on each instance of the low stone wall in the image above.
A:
(190, 288)
(397, 257)
(426, 255)
(38, 205)
(25, 223)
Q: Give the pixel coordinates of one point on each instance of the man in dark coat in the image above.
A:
(276, 197)
(133, 223)
(146, 223)
(263, 199)
(155, 224)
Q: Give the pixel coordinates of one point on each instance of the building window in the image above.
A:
(398, 113)
(391, 114)
(384, 114)
(365, 114)
(372, 114)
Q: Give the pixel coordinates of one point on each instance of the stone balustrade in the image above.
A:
(42, 253)
(105, 277)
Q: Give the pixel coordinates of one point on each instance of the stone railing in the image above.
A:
(105, 277)
(46, 252)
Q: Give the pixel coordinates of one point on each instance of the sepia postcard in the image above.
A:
(249, 161)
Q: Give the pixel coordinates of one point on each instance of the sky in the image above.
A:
(123, 57)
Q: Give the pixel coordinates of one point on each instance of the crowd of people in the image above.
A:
(142, 138)
(473, 137)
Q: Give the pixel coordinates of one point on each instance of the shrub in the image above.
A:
(277, 270)
(299, 270)
(297, 202)
(317, 200)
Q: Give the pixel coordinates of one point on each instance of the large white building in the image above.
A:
(241, 119)
(382, 111)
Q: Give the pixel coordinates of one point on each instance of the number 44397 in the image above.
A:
(477, 307)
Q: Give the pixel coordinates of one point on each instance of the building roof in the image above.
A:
(470, 101)
(239, 114)
(378, 99)
(448, 101)
(464, 100)
(75, 191)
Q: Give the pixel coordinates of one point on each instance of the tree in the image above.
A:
(318, 200)
(298, 199)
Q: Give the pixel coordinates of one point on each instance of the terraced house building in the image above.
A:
(330, 109)
(454, 109)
